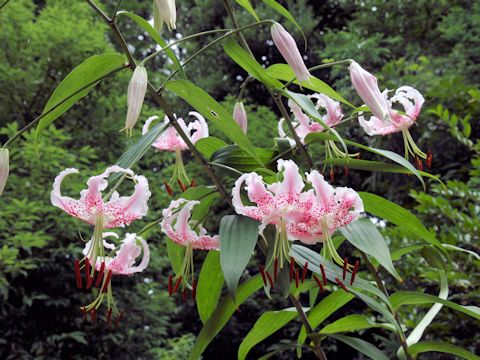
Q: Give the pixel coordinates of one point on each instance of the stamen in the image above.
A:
(109, 316)
(358, 155)
(275, 269)
(84, 311)
(304, 271)
(292, 267)
(78, 275)
(87, 272)
(418, 163)
(270, 280)
(319, 283)
(168, 188)
(170, 288)
(354, 272)
(332, 175)
(93, 314)
(296, 278)
(182, 186)
(346, 171)
(193, 183)
(262, 272)
(177, 284)
(100, 275)
(194, 289)
(119, 318)
(322, 269)
(345, 265)
(184, 295)
(107, 281)
(341, 284)
(429, 159)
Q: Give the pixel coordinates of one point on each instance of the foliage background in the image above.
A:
(433, 46)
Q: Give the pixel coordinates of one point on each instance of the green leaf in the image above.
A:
(285, 73)
(207, 196)
(417, 298)
(443, 347)
(397, 215)
(77, 84)
(155, 36)
(247, 6)
(459, 249)
(362, 346)
(209, 287)
(238, 236)
(207, 146)
(222, 314)
(234, 157)
(175, 254)
(364, 235)
(267, 324)
(353, 322)
(212, 110)
(286, 14)
(322, 311)
(249, 64)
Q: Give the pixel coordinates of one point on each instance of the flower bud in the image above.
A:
(4, 168)
(367, 88)
(136, 93)
(240, 116)
(287, 46)
(164, 11)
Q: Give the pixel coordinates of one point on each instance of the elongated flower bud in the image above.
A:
(367, 88)
(287, 46)
(4, 168)
(240, 116)
(135, 96)
(164, 11)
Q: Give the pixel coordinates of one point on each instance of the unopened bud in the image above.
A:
(4, 168)
(164, 11)
(135, 96)
(287, 46)
(240, 116)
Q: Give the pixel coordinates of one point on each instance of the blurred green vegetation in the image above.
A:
(433, 46)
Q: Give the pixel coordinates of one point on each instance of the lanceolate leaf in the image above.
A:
(207, 146)
(364, 236)
(268, 323)
(222, 314)
(234, 157)
(175, 254)
(238, 236)
(155, 36)
(353, 323)
(247, 6)
(362, 346)
(77, 84)
(213, 111)
(210, 283)
(443, 347)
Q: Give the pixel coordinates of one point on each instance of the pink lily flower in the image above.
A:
(287, 46)
(91, 208)
(240, 116)
(171, 141)
(310, 216)
(176, 225)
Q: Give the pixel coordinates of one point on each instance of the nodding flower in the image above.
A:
(385, 119)
(164, 11)
(310, 216)
(135, 96)
(287, 46)
(177, 225)
(240, 116)
(103, 266)
(171, 141)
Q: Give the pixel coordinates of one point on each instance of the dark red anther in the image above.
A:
(322, 269)
(304, 271)
(107, 281)
(429, 159)
(418, 163)
(184, 295)
(194, 289)
(319, 283)
(346, 171)
(87, 272)
(100, 274)
(193, 183)
(177, 284)
(354, 272)
(270, 280)
(182, 186)
(109, 316)
(275, 269)
(168, 188)
(78, 275)
(93, 315)
(120, 317)
(296, 278)
(262, 272)
(170, 285)
(332, 175)
(292, 267)
(345, 266)
(341, 284)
